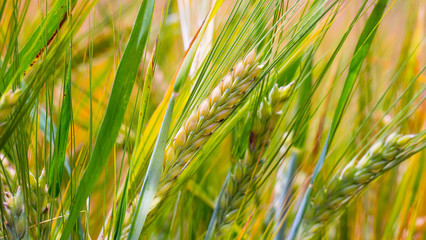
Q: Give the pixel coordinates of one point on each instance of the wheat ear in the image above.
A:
(329, 204)
(246, 171)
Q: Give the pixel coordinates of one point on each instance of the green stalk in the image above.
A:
(57, 164)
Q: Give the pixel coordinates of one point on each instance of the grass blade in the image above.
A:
(120, 94)
(152, 177)
(57, 164)
(142, 112)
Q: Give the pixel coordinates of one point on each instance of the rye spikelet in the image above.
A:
(215, 109)
(246, 171)
(329, 204)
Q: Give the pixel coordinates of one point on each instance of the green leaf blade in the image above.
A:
(120, 95)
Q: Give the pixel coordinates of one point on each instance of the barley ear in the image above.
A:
(205, 119)
(22, 220)
(16, 220)
(328, 204)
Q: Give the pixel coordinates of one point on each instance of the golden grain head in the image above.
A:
(210, 128)
(239, 69)
(226, 82)
(180, 138)
(191, 123)
(170, 153)
(250, 58)
(204, 109)
(215, 95)
(222, 115)
(234, 100)
(199, 142)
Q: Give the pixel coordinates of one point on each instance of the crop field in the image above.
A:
(213, 119)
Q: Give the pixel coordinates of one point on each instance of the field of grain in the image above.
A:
(212, 119)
